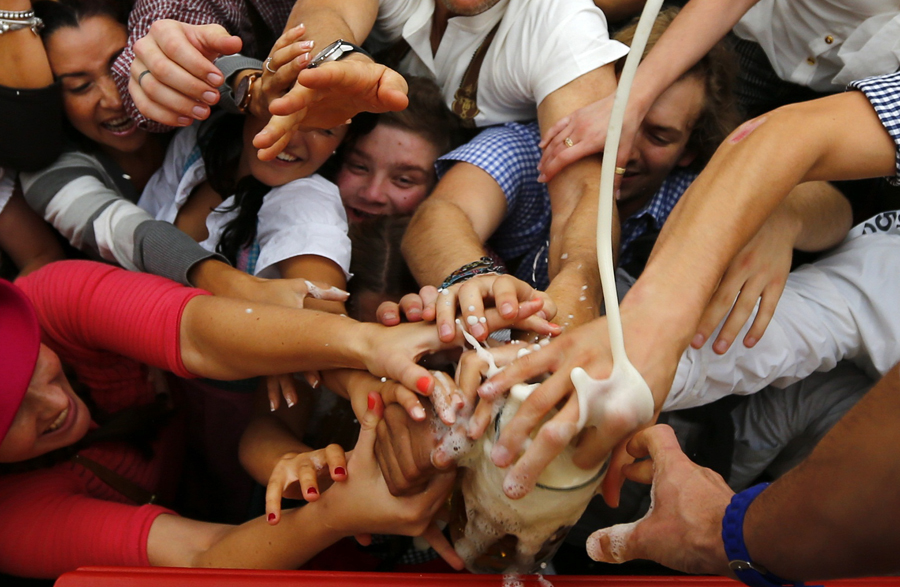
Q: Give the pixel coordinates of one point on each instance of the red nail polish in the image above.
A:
(422, 384)
(371, 401)
(312, 491)
(271, 517)
(340, 471)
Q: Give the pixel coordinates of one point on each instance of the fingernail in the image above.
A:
(446, 331)
(215, 79)
(477, 330)
(304, 56)
(486, 390)
(749, 341)
(390, 316)
(290, 402)
(698, 341)
(339, 471)
(271, 406)
(210, 97)
(312, 491)
(542, 178)
(306, 44)
(507, 309)
(371, 399)
(418, 413)
(184, 121)
(500, 455)
(423, 383)
(200, 111)
(720, 346)
(271, 517)
(414, 313)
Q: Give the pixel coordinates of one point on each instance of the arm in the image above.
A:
(25, 237)
(838, 534)
(320, 269)
(699, 26)
(814, 216)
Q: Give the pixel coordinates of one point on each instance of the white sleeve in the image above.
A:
(304, 217)
(7, 183)
(163, 185)
(841, 307)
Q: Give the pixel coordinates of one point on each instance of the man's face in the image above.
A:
(468, 7)
(661, 143)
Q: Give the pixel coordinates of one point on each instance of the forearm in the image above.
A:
(329, 20)
(850, 526)
(821, 214)
(439, 240)
(699, 26)
(265, 441)
(25, 63)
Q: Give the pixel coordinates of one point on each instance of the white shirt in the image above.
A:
(303, 217)
(541, 45)
(826, 44)
(842, 307)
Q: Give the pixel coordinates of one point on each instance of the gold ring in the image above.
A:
(141, 77)
(569, 142)
(267, 64)
(620, 171)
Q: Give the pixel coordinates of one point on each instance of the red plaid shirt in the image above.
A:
(231, 14)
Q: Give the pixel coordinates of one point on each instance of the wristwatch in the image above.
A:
(244, 91)
(337, 50)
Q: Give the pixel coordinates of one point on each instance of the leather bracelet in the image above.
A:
(482, 266)
(739, 561)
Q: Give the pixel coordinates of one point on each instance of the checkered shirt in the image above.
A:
(231, 14)
(654, 214)
(509, 153)
(883, 92)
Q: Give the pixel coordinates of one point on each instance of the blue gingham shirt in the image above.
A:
(883, 92)
(654, 214)
(510, 154)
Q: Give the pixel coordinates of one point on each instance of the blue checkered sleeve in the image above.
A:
(883, 92)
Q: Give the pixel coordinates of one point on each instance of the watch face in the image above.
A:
(332, 52)
(242, 93)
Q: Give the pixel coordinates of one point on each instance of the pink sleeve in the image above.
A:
(49, 526)
(91, 312)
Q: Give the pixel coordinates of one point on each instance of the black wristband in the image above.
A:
(482, 266)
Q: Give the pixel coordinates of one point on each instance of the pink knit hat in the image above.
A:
(20, 341)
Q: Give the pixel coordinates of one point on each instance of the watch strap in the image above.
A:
(346, 47)
(739, 559)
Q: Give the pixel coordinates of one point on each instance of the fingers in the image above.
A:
(616, 473)
(523, 369)
(550, 441)
(276, 135)
(412, 305)
(613, 544)
(558, 155)
(445, 314)
(388, 313)
(442, 546)
(323, 291)
(767, 305)
(446, 398)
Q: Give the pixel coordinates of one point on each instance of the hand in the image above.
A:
(363, 503)
(506, 294)
(586, 128)
(757, 274)
(288, 57)
(415, 307)
(403, 449)
(395, 351)
(296, 476)
(586, 346)
(183, 82)
(683, 530)
(328, 96)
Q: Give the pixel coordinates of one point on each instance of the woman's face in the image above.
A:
(81, 59)
(388, 171)
(302, 156)
(51, 416)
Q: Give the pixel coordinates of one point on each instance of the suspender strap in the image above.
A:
(124, 486)
(465, 100)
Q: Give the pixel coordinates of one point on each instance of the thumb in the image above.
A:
(213, 40)
(613, 544)
(323, 291)
(365, 445)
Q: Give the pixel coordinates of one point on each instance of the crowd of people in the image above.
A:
(185, 188)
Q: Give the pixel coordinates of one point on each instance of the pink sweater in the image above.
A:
(107, 324)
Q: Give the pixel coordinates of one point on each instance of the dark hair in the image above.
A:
(70, 13)
(427, 116)
(376, 262)
(221, 143)
(717, 69)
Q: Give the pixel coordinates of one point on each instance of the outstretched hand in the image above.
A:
(683, 529)
(183, 82)
(326, 97)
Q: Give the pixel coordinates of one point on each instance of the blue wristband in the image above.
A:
(739, 560)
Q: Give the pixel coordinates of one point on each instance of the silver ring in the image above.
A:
(568, 142)
(141, 77)
(266, 65)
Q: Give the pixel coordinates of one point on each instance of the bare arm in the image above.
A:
(824, 215)
(320, 269)
(25, 63)
(26, 238)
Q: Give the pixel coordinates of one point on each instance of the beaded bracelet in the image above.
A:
(482, 266)
(16, 14)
